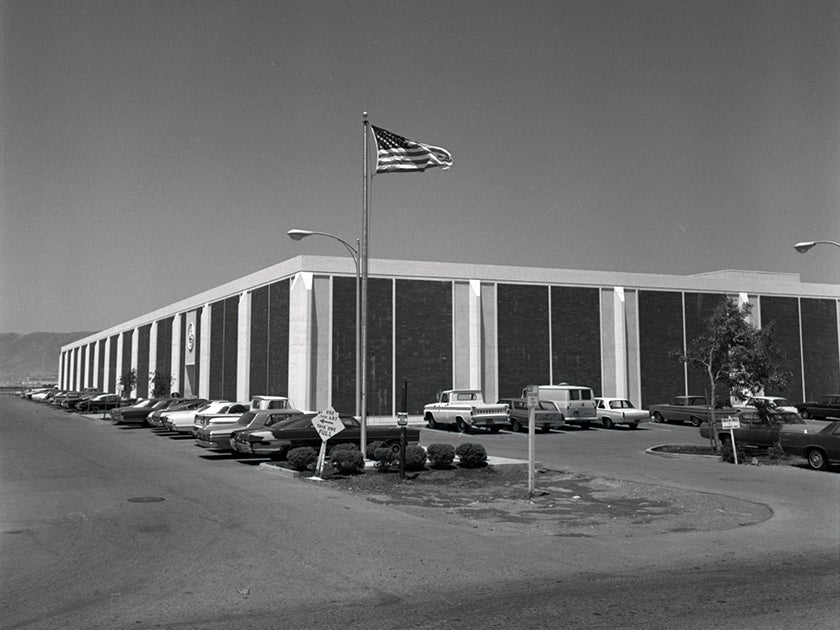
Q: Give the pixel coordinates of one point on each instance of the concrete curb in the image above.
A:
(652, 451)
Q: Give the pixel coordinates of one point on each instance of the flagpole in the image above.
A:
(364, 298)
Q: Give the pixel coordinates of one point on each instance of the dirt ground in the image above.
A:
(564, 504)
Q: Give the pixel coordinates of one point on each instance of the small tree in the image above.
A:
(161, 383)
(127, 382)
(735, 356)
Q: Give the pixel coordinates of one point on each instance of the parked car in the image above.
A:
(218, 436)
(693, 409)
(820, 448)
(70, 402)
(755, 431)
(103, 402)
(825, 407)
(59, 397)
(270, 402)
(156, 418)
(298, 431)
(774, 402)
(136, 413)
(183, 421)
(206, 419)
(465, 410)
(612, 411)
(546, 416)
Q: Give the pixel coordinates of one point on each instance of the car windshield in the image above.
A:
(788, 418)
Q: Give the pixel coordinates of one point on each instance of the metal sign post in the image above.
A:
(531, 400)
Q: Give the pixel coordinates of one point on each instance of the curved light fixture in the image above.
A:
(804, 246)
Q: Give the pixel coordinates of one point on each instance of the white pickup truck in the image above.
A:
(465, 409)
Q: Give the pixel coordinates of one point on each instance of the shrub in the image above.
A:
(440, 455)
(471, 455)
(302, 457)
(386, 459)
(347, 461)
(372, 447)
(344, 446)
(415, 458)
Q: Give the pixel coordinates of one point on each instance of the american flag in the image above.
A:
(395, 153)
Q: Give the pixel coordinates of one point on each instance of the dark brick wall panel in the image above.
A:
(278, 340)
(113, 376)
(100, 381)
(660, 335)
(182, 369)
(819, 347)
(126, 355)
(259, 341)
(231, 338)
(423, 332)
(163, 346)
(698, 308)
(217, 350)
(783, 312)
(523, 345)
(143, 336)
(380, 346)
(197, 352)
(576, 336)
(344, 344)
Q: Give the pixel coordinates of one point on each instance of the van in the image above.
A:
(575, 403)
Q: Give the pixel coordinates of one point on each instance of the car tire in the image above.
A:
(805, 414)
(494, 429)
(546, 429)
(608, 424)
(633, 425)
(695, 421)
(462, 426)
(657, 417)
(430, 422)
(817, 459)
(515, 426)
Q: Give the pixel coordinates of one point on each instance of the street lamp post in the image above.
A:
(804, 246)
(297, 235)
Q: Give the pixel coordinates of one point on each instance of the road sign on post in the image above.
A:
(731, 423)
(532, 397)
(327, 424)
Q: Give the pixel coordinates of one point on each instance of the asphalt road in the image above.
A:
(119, 527)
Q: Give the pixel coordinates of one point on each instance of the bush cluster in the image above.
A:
(386, 459)
(347, 460)
(441, 455)
(471, 455)
(302, 458)
(415, 458)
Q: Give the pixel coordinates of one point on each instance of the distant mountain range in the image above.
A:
(33, 357)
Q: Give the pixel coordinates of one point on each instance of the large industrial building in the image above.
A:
(291, 330)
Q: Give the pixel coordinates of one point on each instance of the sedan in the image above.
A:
(820, 448)
(103, 402)
(299, 431)
(218, 437)
(613, 411)
(136, 413)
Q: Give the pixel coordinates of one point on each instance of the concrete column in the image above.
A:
(106, 365)
(153, 334)
(475, 346)
(135, 354)
(120, 344)
(204, 368)
(300, 341)
(175, 354)
(620, 337)
(243, 348)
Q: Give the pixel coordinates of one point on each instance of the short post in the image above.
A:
(402, 422)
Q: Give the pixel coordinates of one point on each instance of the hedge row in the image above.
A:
(348, 460)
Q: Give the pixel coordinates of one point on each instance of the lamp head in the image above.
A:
(804, 246)
(296, 235)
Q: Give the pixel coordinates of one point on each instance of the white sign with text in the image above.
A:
(327, 423)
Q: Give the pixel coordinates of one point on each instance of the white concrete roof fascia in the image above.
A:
(725, 281)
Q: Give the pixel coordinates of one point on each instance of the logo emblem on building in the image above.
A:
(190, 337)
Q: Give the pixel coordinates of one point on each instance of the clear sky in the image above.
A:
(152, 150)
